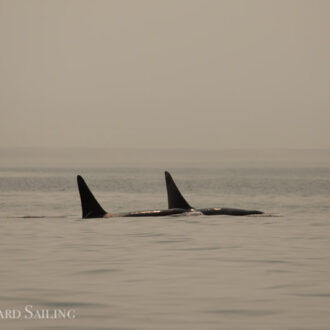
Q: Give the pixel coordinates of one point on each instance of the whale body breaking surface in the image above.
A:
(176, 205)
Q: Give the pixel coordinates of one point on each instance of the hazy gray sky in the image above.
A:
(205, 74)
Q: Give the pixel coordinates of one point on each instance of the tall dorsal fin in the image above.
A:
(175, 198)
(89, 205)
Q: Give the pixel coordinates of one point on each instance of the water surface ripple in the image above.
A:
(220, 272)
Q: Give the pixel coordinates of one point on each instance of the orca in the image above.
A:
(92, 209)
(176, 200)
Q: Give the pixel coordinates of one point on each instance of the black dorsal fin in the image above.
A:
(175, 198)
(89, 205)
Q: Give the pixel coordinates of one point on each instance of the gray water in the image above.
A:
(180, 272)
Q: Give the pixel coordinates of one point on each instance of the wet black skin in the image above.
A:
(176, 200)
(92, 209)
(176, 204)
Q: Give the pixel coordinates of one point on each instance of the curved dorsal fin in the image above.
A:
(89, 205)
(175, 198)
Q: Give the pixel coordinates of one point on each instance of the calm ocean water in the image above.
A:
(179, 272)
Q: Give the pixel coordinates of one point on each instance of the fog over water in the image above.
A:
(162, 158)
(165, 74)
